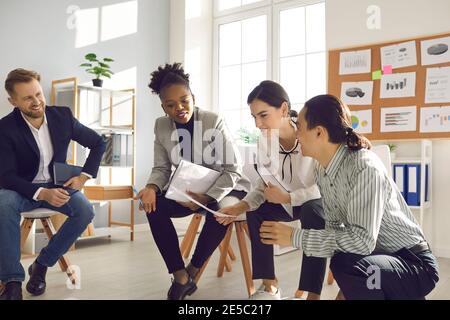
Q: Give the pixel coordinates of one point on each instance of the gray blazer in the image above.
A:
(212, 147)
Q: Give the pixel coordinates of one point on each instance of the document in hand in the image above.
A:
(216, 213)
(267, 177)
(190, 177)
(62, 172)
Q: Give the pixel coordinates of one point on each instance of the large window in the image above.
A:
(259, 40)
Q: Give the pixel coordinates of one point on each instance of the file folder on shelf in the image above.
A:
(400, 179)
(413, 192)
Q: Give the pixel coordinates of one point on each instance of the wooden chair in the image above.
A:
(226, 252)
(44, 215)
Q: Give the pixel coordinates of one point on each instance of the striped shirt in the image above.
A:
(364, 210)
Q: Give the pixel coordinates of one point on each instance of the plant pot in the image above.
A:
(393, 155)
(97, 82)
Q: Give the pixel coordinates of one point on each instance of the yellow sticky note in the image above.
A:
(376, 75)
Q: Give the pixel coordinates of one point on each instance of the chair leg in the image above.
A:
(189, 237)
(298, 294)
(25, 229)
(330, 278)
(63, 261)
(224, 251)
(200, 272)
(244, 257)
(231, 253)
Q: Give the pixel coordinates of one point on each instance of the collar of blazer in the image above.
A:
(28, 135)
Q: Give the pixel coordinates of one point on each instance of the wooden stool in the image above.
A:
(44, 215)
(226, 251)
(240, 225)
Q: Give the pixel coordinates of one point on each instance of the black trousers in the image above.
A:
(166, 237)
(379, 276)
(311, 217)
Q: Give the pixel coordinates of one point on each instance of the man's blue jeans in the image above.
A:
(78, 210)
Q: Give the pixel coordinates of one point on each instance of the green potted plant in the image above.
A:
(99, 68)
(392, 148)
(247, 136)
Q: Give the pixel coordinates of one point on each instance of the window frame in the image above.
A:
(272, 9)
(230, 19)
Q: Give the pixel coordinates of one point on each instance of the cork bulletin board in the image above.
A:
(335, 80)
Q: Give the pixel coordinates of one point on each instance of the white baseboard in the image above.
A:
(441, 252)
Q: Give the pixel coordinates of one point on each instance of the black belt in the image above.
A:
(420, 247)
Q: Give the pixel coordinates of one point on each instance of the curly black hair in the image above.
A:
(168, 75)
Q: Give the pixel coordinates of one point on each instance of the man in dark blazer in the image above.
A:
(32, 138)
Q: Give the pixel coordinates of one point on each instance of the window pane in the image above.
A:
(228, 4)
(297, 107)
(245, 2)
(248, 122)
(292, 76)
(316, 74)
(233, 121)
(230, 44)
(230, 88)
(315, 28)
(252, 75)
(292, 32)
(254, 39)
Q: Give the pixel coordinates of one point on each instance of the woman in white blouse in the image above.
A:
(282, 159)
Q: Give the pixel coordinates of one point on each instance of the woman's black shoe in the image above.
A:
(179, 291)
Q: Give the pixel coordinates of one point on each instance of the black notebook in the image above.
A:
(62, 172)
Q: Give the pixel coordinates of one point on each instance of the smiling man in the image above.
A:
(32, 138)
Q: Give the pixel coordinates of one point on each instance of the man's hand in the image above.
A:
(148, 198)
(55, 197)
(276, 233)
(76, 183)
(234, 210)
(202, 198)
(273, 194)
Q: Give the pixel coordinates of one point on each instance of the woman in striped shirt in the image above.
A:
(378, 250)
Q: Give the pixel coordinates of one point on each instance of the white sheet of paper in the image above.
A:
(189, 198)
(398, 85)
(192, 177)
(438, 85)
(357, 93)
(399, 55)
(355, 62)
(362, 121)
(412, 179)
(435, 119)
(435, 51)
(399, 178)
(398, 119)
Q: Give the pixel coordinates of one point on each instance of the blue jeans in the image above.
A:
(78, 210)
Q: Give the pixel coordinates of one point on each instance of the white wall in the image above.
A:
(34, 35)
(191, 43)
(400, 19)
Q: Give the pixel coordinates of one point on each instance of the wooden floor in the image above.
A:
(119, 269)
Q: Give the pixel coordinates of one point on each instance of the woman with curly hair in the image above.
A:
(180, 135)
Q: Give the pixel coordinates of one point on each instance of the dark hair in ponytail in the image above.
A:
(273, 94)
(168, 75)
(334, 115)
